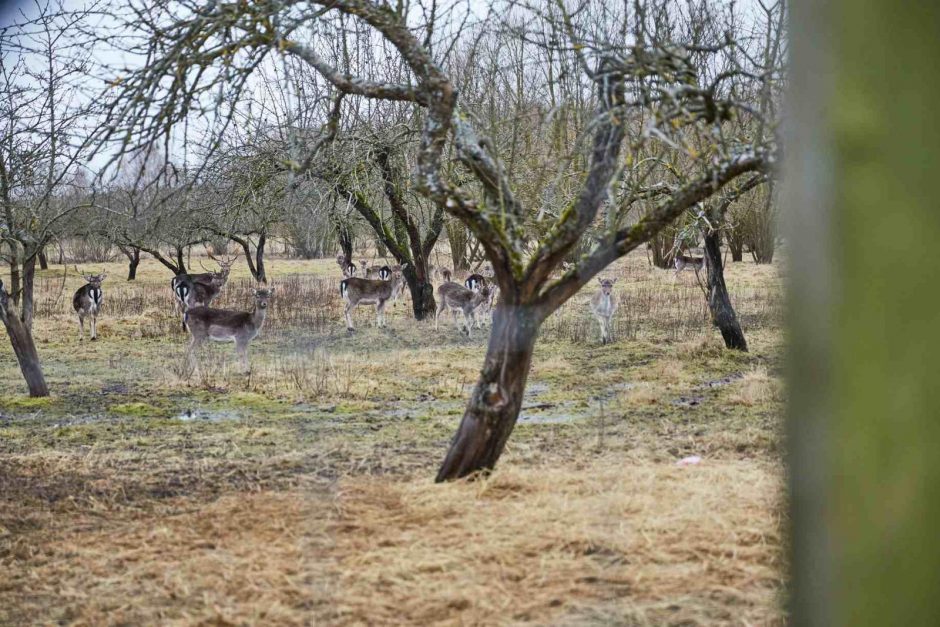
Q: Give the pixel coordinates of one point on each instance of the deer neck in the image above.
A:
(257, 318)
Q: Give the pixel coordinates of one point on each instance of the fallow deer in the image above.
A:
(475, 282)
(223, 325)
(382, 272)
(356, 291)
(199, 290)
(682, 262)
(87, 302)
(456, 297)
(603, 305)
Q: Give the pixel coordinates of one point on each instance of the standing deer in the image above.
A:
(382, 272)
(346, 265)
(683, 262)
(223, 325)
(87, 301)
(357, 292)
(195, 290)
(475, 282)
(456, 297)
(604, 306)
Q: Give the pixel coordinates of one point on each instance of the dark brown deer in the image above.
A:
(456, 297)
(223, 325)
(357, 292)
(87, 302)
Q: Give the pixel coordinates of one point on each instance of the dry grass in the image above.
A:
(757, 387)
(614, 540)
(310, 500)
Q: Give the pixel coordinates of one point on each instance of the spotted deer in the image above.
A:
(87, 302)
(603, 305)
(223, 325)
(356, 291)
(456, 297)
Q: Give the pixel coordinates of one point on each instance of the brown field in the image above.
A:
(301, 493)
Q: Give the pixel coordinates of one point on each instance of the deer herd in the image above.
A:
(379, 285)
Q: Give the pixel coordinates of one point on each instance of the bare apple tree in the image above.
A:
(637, 65)
(44, 123)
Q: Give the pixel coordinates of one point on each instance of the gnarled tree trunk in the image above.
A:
(422, 292)
(494, 405)
(719, 303)
(23, 346)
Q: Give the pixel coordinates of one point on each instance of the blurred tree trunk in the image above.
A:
(863, 424)
(43, 261)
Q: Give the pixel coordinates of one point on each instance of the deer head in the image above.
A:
(607, 285)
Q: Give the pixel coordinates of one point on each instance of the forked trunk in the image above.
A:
(719, 303)
(23, 347)
(496, 400)
(133, 260)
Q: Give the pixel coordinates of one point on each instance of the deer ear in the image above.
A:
(600, 280)
(612, 281)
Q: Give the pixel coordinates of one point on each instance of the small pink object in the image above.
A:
(689, 461)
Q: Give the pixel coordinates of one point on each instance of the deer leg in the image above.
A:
(346, 310)
(437, 314)
(194, 345)
(94, 327)
(469, 320)
(81, 327)
(241, 349)
(380, 314)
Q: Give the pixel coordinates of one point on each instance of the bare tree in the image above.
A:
(644, 90)
(42, 116)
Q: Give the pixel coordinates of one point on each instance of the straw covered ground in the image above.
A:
(301, 493)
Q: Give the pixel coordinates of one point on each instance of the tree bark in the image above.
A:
(736, 246)
(494, 405)
(422, 292)
(719, 303)
(345, 241)
(180, 262)
(133, 260)
(23, 347)
(660, 246)
(43, 261)
(26, 302)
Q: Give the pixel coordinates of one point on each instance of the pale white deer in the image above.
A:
(87, 303)
(604, 305)
(356, 291)
(456, 297)
(224, 325)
